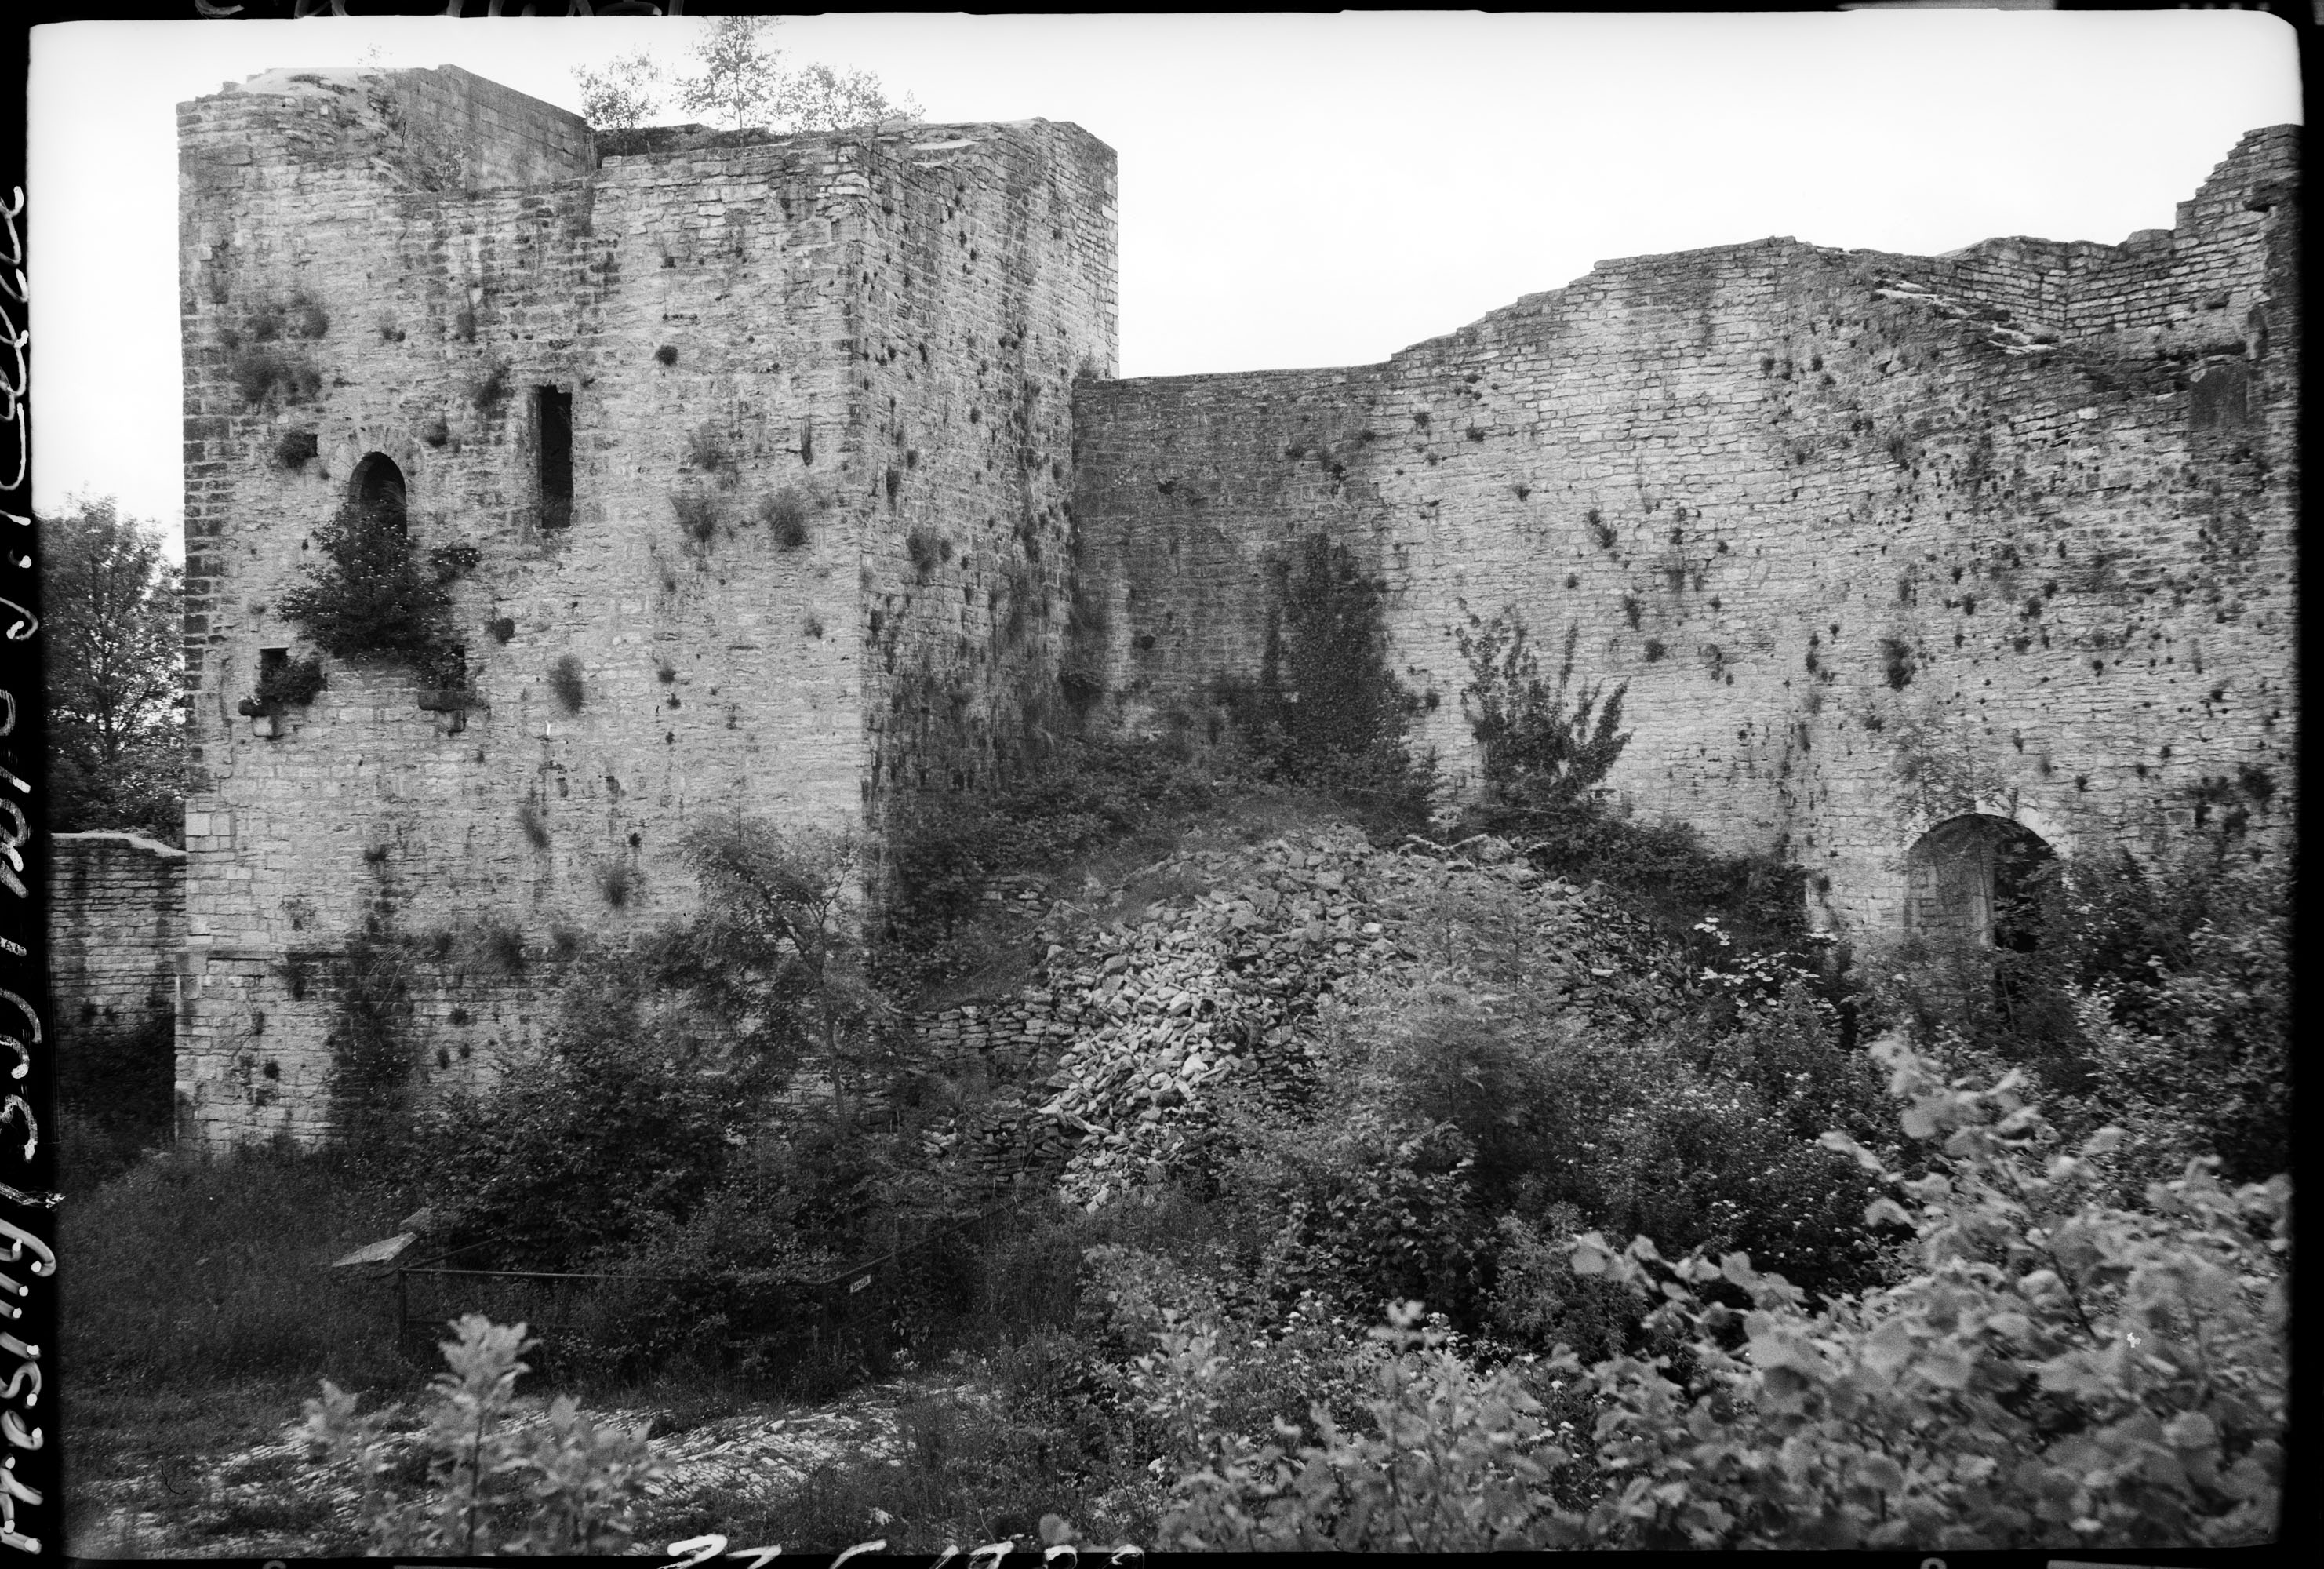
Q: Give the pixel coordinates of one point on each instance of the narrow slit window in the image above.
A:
(553, 418)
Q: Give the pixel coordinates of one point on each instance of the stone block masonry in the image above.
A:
(117, 921)
(787, 475)
(749, 458)
(1873, 541)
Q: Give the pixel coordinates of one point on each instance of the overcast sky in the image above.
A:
(1296, 190)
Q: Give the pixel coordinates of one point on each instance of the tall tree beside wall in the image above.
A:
(116, 625)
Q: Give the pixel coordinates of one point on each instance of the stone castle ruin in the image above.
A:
(791, 476)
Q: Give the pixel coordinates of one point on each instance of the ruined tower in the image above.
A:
(746, 459)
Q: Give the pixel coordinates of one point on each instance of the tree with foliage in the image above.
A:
(740, 79)
(115, 624)
(775, 910)
(622, 96)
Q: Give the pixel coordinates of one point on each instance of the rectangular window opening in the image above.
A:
(553, 410)
(271, 663)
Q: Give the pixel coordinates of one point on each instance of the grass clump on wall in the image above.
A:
(785, 513)
(564, 683)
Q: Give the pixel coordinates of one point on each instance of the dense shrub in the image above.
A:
(540, 1162)
(1088, 793)
(288, 684)
(1362, 1211)
(2056, 1372)
(1546, 747)
(2157, 997)
(371, 598)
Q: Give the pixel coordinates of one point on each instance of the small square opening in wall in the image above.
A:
(272, 662)
(552, 410)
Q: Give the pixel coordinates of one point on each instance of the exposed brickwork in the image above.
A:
(116, 920)
(2058, 481)
(800, 317)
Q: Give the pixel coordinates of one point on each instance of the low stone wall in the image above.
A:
(117, 921)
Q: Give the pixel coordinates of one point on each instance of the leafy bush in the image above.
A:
(1538, 753)
(1454, 1462)
(537, 1161)
(2156, 997)
(290, 683)
(295, 448)
(1538, 1301)
(2060, 1372)
(2057, 1371)
(1364, 1210)
(451, 562)
(372, 1046)
(263, 372)
(775, 928)
(503, 1475)
(371, 598)
(1088, 792)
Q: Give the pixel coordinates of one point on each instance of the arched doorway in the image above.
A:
(379, 493)
(1975, 879)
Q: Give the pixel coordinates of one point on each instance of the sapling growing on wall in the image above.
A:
(371, 598)
(1546, 745)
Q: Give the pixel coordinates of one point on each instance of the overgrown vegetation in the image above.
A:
(502, 1474)
(263, 359)
(115, 621)
(371, 597)
(1899, 1304)
(785, 513)
(1325, 710)
(564, 683)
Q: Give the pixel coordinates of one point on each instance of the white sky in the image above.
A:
(1296, 190)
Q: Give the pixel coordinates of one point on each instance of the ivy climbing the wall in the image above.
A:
(371, 1041)
(1325, 706)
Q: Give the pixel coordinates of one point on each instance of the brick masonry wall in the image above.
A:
(116, 920)
(1760, 479)
(733, 323)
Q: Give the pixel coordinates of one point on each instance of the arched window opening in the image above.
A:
(379, 491)
(1977, 879)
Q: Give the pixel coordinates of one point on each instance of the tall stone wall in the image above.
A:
(117, 921)
(744, 327)
(1874, 542)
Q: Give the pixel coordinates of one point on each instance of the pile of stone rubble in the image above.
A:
(1133, 1029)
